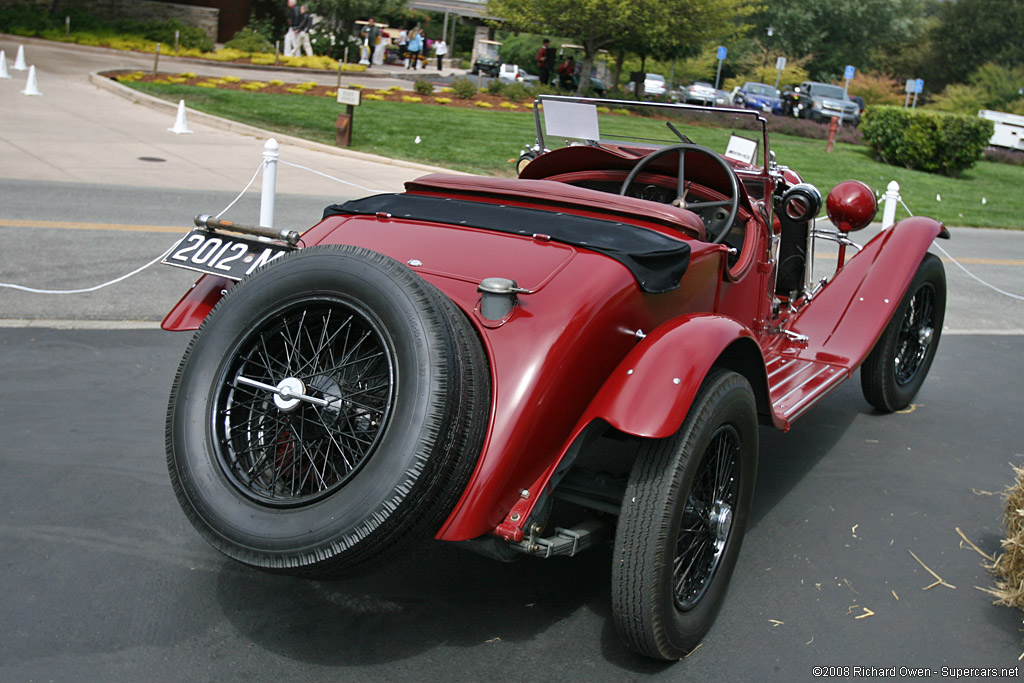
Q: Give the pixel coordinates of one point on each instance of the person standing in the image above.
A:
(414, 47)
(302, 29)
(291, 16)
(440, 49)
(545, 61)
(403, 45)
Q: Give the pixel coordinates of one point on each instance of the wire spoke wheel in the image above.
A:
(707, 518)
(894, 371)
(283, 450)
(327, 414)
(916, 333)
(682, 521)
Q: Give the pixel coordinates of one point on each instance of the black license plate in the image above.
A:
(225, 255)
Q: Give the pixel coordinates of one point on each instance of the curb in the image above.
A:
(136, 97)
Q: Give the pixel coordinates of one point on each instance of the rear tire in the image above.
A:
(334, 486)
(896, 368)
(682, 521)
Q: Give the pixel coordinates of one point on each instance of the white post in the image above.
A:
(891, 197)
(270, 156)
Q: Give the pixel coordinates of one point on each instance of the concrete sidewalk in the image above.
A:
(88, 129)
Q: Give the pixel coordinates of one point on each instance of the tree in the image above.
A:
(973, 32)
(840, 32)
(662, 27)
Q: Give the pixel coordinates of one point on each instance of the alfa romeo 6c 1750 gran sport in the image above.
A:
(533, 365)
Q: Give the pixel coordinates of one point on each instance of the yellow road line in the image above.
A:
(66, 225)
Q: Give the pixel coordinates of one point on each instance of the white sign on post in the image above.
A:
(780, 63)
(348, 96)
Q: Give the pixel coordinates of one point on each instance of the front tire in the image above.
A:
(328, 412)
(896, 368)
(682, 521)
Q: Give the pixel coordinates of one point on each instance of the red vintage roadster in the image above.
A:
(532, 365)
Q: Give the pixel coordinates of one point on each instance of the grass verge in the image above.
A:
(489, 141)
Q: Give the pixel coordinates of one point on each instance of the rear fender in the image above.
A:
(192, 309)
(650, 392)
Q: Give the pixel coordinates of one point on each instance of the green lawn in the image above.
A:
(489, 141)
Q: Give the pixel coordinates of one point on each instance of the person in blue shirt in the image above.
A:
(415, 47)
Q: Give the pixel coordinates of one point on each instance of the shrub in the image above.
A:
(517, 92)
(495, 87)
(443, 100)
(423, 87)
(249, 40)
(926, 140)
(163, 32)
(463, 88)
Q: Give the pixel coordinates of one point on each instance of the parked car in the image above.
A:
(822, 101)
(653, 86)
(700, 92)
(759, 96)
(534, 365)
(513, 73)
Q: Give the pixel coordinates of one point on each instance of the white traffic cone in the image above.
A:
(30, 87)
(3, 65)
(19, 61)
(179, 123)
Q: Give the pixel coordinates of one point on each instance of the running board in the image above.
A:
(795, 384)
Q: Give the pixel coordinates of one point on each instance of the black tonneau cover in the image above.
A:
(656, 261)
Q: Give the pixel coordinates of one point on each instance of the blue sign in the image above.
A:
(919, 85)
(849, 73)
(721, 52)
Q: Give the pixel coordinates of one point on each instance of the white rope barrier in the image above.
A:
(330, 177)
(960, 265)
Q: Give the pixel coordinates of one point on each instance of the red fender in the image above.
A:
(196, 304)
(849, 315)
(650, 392)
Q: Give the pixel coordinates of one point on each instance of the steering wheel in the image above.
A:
(733, 201)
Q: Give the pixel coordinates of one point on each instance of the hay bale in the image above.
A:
(1009, 565)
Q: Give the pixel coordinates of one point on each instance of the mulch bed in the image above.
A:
(319, 90)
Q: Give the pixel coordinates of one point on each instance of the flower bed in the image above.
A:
(309, 88)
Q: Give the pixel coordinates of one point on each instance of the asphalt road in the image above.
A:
(102, 577)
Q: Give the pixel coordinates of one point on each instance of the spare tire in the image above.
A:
(329, 411)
